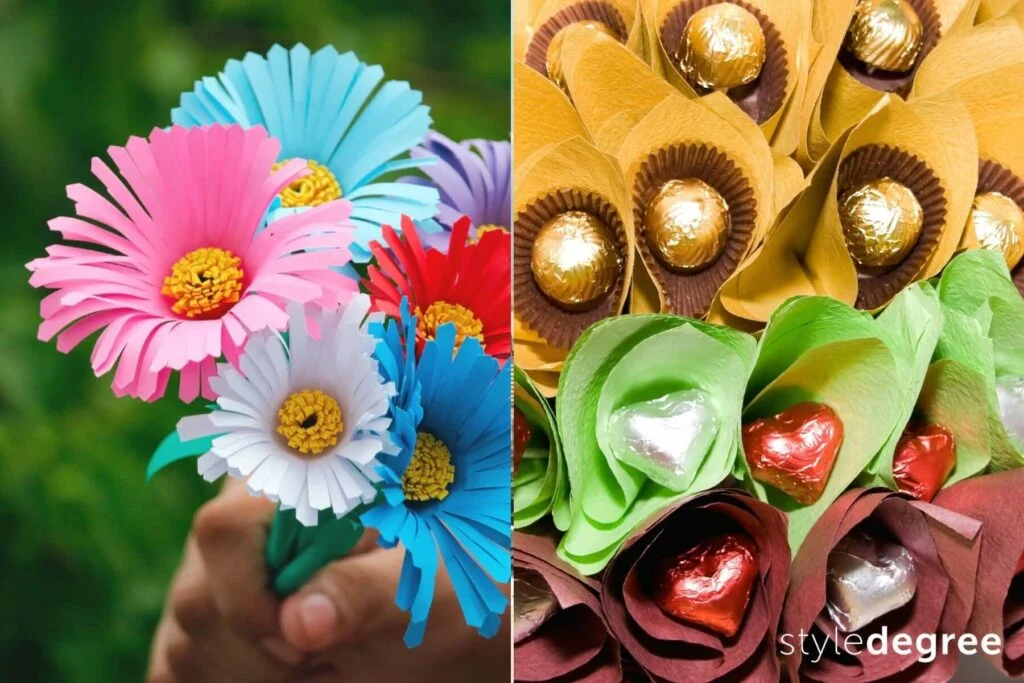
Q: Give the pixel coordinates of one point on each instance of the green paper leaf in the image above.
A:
(172, 449)
(541, 484)
(618, 362)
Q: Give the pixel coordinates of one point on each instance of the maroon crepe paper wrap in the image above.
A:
(994, 500)
(945, 546)
(573, 645)
(668, 649)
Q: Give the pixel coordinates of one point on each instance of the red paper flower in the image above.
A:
(469, 286)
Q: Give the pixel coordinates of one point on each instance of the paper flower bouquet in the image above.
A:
(768, 336)
(230, 251)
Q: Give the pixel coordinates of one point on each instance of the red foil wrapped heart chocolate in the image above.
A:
(521, 431)
(925, 456)
(795, 450)
(710, 583)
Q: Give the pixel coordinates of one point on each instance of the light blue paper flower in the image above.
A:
(463, 401)
(328, 108)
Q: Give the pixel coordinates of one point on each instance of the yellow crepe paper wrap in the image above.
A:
(717, 125)
(611, 88)
(835, 100)
(788, 19)
(524, 13)
(622, 17)
(544, 115)
(985, 67)
(572, 174)
(805, 253)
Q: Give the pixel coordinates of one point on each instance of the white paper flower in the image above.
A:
(303, 421)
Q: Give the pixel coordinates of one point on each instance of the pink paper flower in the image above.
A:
(177, 273)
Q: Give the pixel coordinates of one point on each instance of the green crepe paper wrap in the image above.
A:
(822, 350)
(541, 483)
(294, 553)
(623, 361)
(984, 320)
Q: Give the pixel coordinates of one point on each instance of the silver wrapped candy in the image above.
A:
(534, 603)
(1010, 391)
(867, 579)
(665, 438)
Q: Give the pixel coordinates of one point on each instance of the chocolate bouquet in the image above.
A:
(820, 325)
(226, 250)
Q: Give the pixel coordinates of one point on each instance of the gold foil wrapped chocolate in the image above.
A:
(687, 224)
(574, 260)
(885, 34)
(881, 221)
(722, 47)
(998, 224)
(553, 59)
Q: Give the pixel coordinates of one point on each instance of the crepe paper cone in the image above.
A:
(544, 115)
(797, 257)
(666, 648)
(993, 9)
(768, 101)
(625, 361)
(835, 99)
(993, 90)
(994, 500)
(612, 88)
(976, 283)
(574, 645)
(622, 17)
(945, 547)
(964, 342)
(538, 359)
(954, 396)
(983, 317)
(295, 553)
(788, 181)
(806, 252)
(541, 483)
(911, 326)
(712, 141)
(524, 14)
(572, 175)
(820, 350)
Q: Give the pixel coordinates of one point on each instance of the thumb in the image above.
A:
(350, 600)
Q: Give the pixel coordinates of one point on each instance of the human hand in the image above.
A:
(346, 618)
(221, 623)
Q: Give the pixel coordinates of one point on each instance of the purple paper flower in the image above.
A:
(473, 178)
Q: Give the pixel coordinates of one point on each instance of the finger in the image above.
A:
(191, 601)
(231, 532)
(159, 669)
(350, 600)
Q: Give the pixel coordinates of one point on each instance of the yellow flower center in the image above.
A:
(311, 421)
(490, 227)
(203, 281)
(319, 187)
(441, 312)
(430, 471)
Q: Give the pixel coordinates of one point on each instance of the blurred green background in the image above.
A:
(86, 547)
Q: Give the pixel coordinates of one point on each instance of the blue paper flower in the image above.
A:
(327, 108)
(448, 493)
